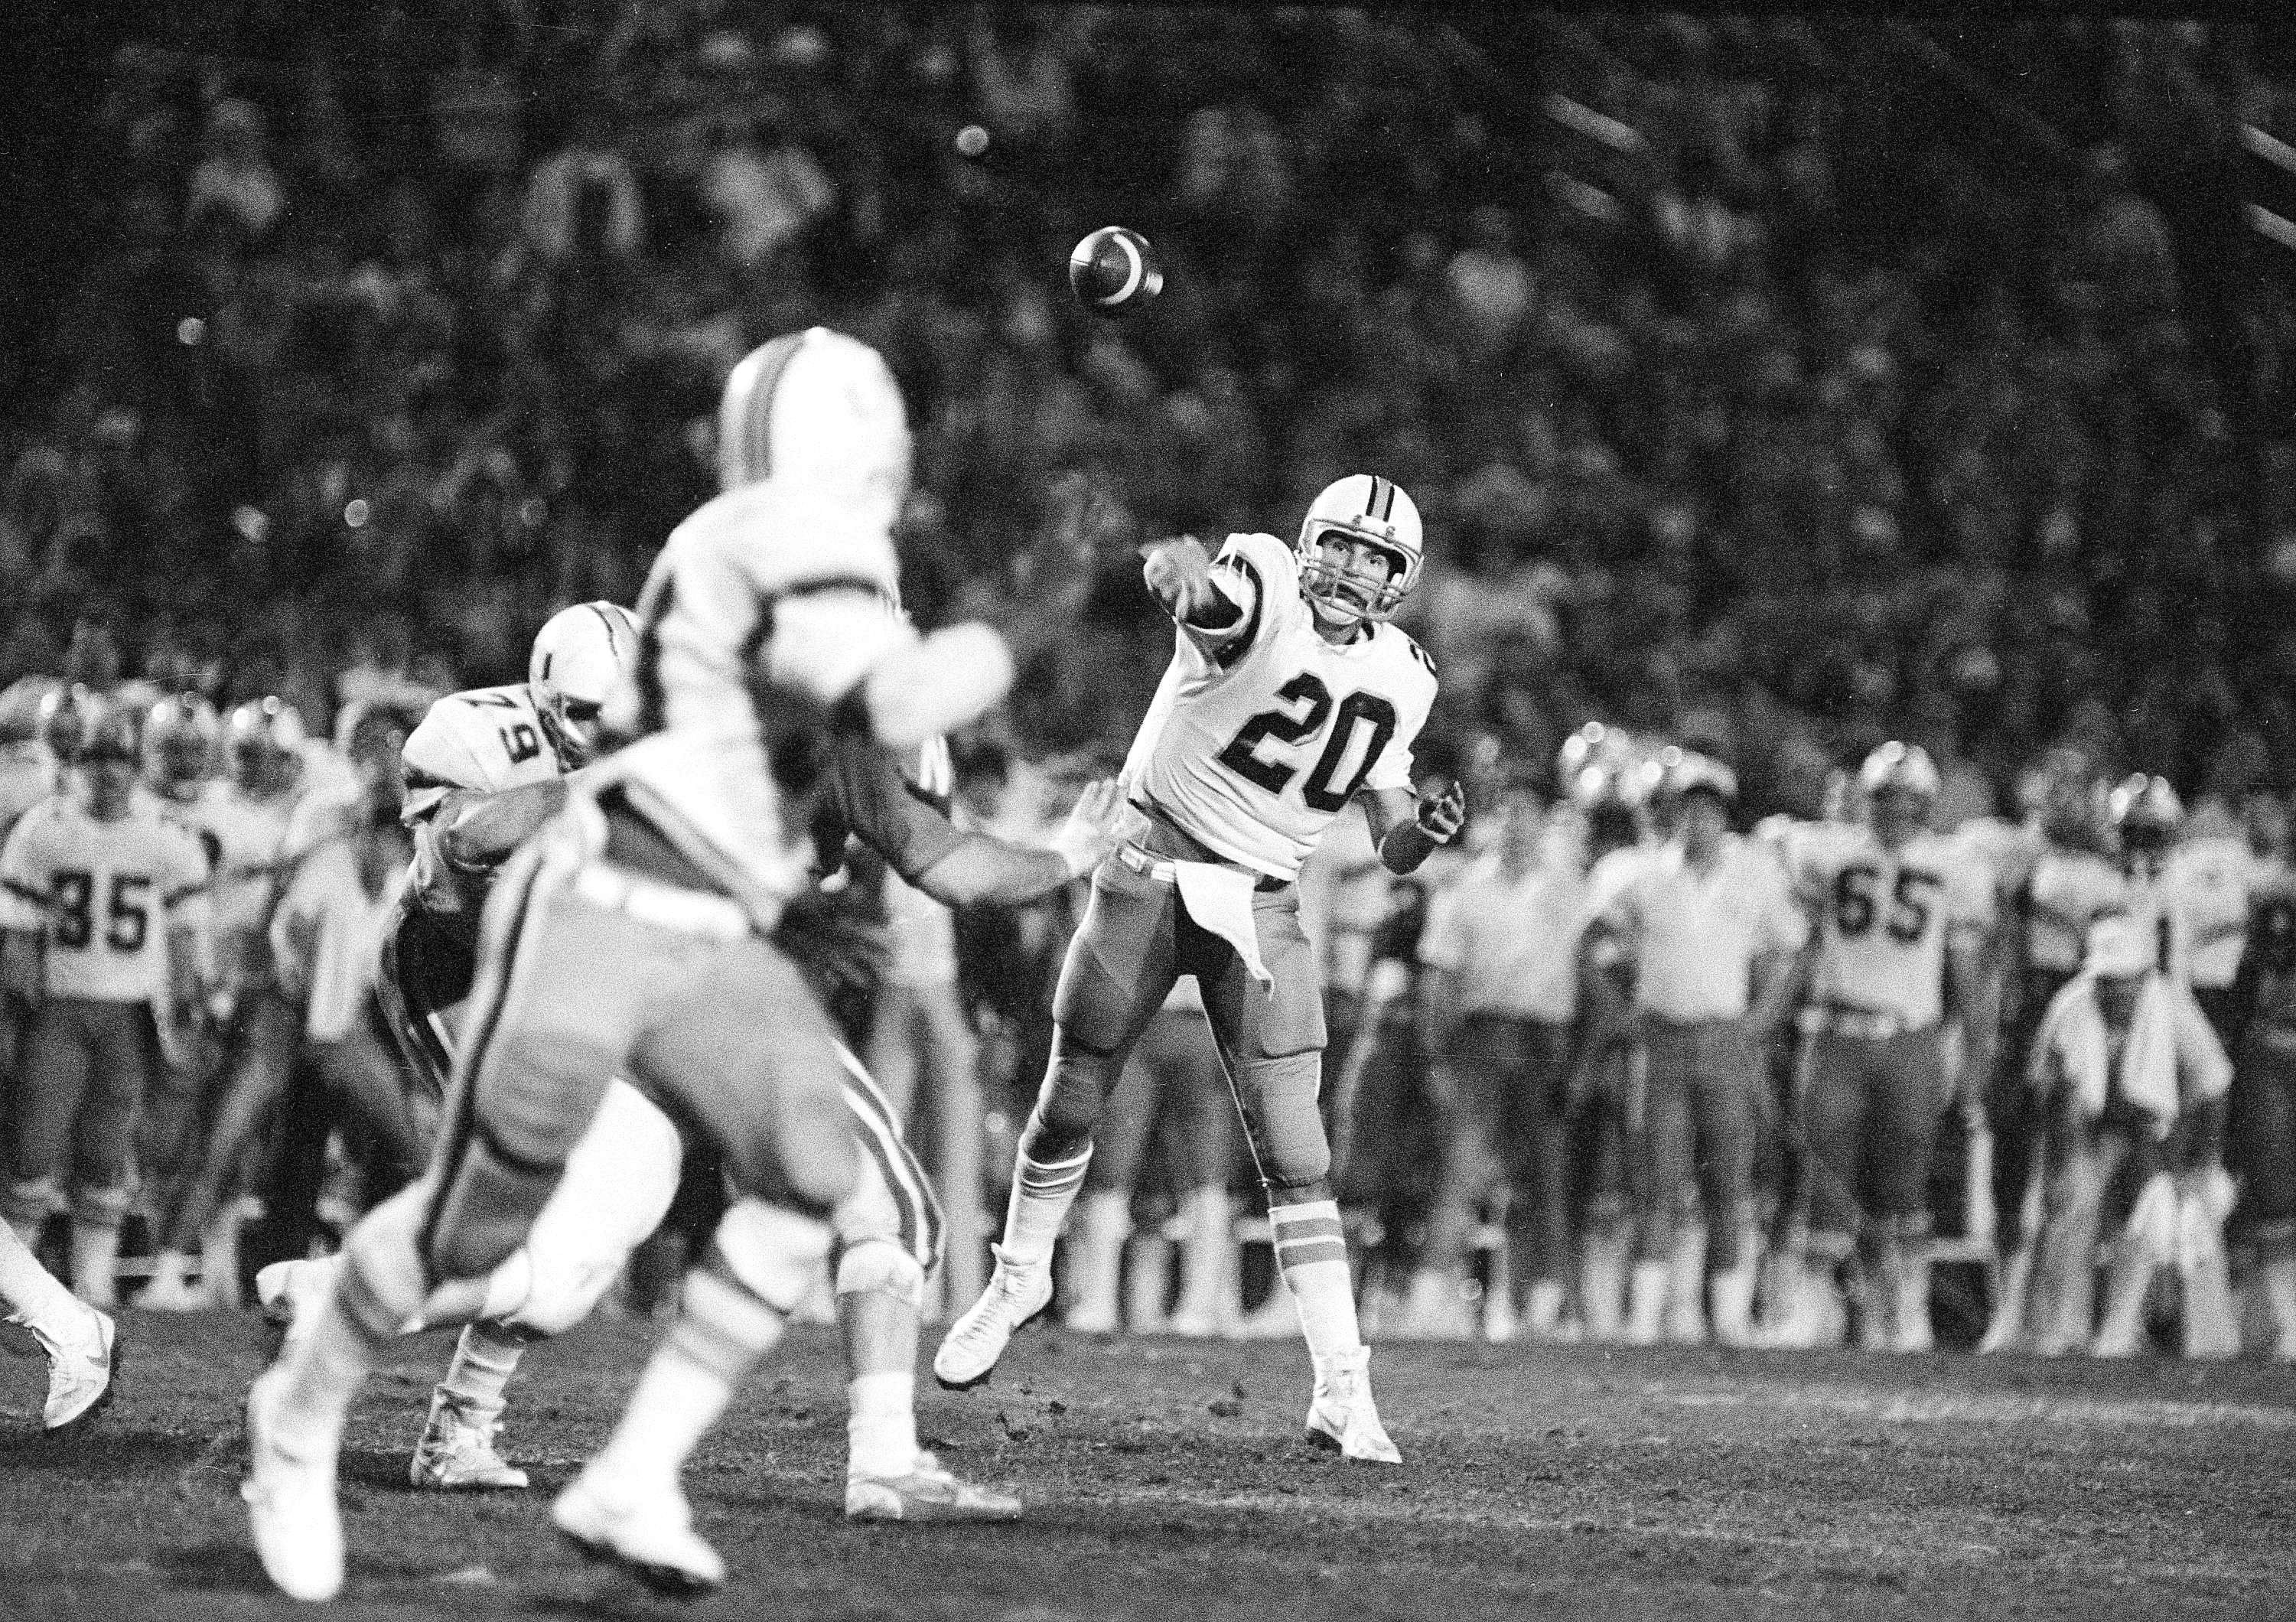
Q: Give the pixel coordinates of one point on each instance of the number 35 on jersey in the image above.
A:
(1257, 740)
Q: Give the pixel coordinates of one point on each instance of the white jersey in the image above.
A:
(245, 840)
(2067, 892)
(2210, 876)
(485, 741)
(760, 590)
(1257, 739)
(1883, 918)
(104, 894)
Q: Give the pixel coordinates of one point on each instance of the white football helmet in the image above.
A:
(1899, 766)
(580, 656)
(263, 745)
(1373, 510)
(822, 408)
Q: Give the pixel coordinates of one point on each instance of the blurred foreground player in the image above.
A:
(634, 937)
(1288, 694)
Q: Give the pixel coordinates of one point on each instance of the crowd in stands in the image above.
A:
(1748, 401)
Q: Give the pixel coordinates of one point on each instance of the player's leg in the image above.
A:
(48, 1099)
(561, 986)
(1484, 1064)
(747, 1054)
(2268, 1137)
(263, 1039)
(168, 1148)
(1606, 1243)
(888, 1238)
(1537, 1149)
(618, 1187)
(78, 1338)
(1271, 1039)
(1832, 1130)
(1722, 1105)
(1095, 1258)
(1670, 1054)
(1908, 1106)
(1117, 970)
(1203, 1155)
(123, 1051)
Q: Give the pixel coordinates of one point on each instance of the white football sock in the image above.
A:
(1039, 1205)
(1312, 1251)
(37, 1299)
(881, 1430)
(478, 1380)
(723, 1329)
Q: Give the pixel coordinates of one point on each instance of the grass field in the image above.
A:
(1166, 1478)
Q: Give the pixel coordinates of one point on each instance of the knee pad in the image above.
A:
(773, 1252)
(1828, 1247)
(1068, 1107)
(1280, 1095)
(101, 1208)
(883, 1267)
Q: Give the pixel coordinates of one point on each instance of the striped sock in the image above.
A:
(479, 1378)
(1311, 1250)
(1042, 1194)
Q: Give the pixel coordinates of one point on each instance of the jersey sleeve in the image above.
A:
(886, 813)
(1781, 923)
(453, 748)
(1255, 572)
(24, 872)
(1409, 680)
(1969, 895)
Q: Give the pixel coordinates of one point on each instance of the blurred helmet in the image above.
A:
(262, 739)
(1593, 744)
(65, 714)
(580, 656)
(2144, 809)
(1373, 510)
(1904, 767)
(20, 708)
(1691, 772)
(179, 735)
(821, 408)
(114, 732)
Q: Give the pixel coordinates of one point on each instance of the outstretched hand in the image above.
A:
(1094, 827)
(1442, 815)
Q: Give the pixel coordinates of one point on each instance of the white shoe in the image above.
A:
(456, 1454)
(1342, 1414)
(292, 1293)
(1016, 1297)
(290, 1503)
(925, 1492)
(650, 1536)
(80, 1363)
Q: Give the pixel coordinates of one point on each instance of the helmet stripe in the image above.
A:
(613, 645)
(754, 431)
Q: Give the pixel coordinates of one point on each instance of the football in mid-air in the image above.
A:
(1114, 272)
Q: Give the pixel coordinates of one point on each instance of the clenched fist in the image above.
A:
(1180, 573)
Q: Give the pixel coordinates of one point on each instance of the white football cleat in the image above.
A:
(80, 1363)
(650, 1536)
(456, 1454)
(925, 1492)
(290, 1503)
(1341, 1415)
(1016, 1297)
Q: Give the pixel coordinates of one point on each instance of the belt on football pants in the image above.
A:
(1865, 1024)
(665, 906)
(1163, 870)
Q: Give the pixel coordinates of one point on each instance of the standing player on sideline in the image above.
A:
(1899, 920)
(1288, 694)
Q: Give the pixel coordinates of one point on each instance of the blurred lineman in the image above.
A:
(243, 821)
(1288, 696)
(1501, 946)
(2132, 1083)
(103, 935)
(1712, 932)
(1899, 914)
(632, 936)
(2187, 888)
